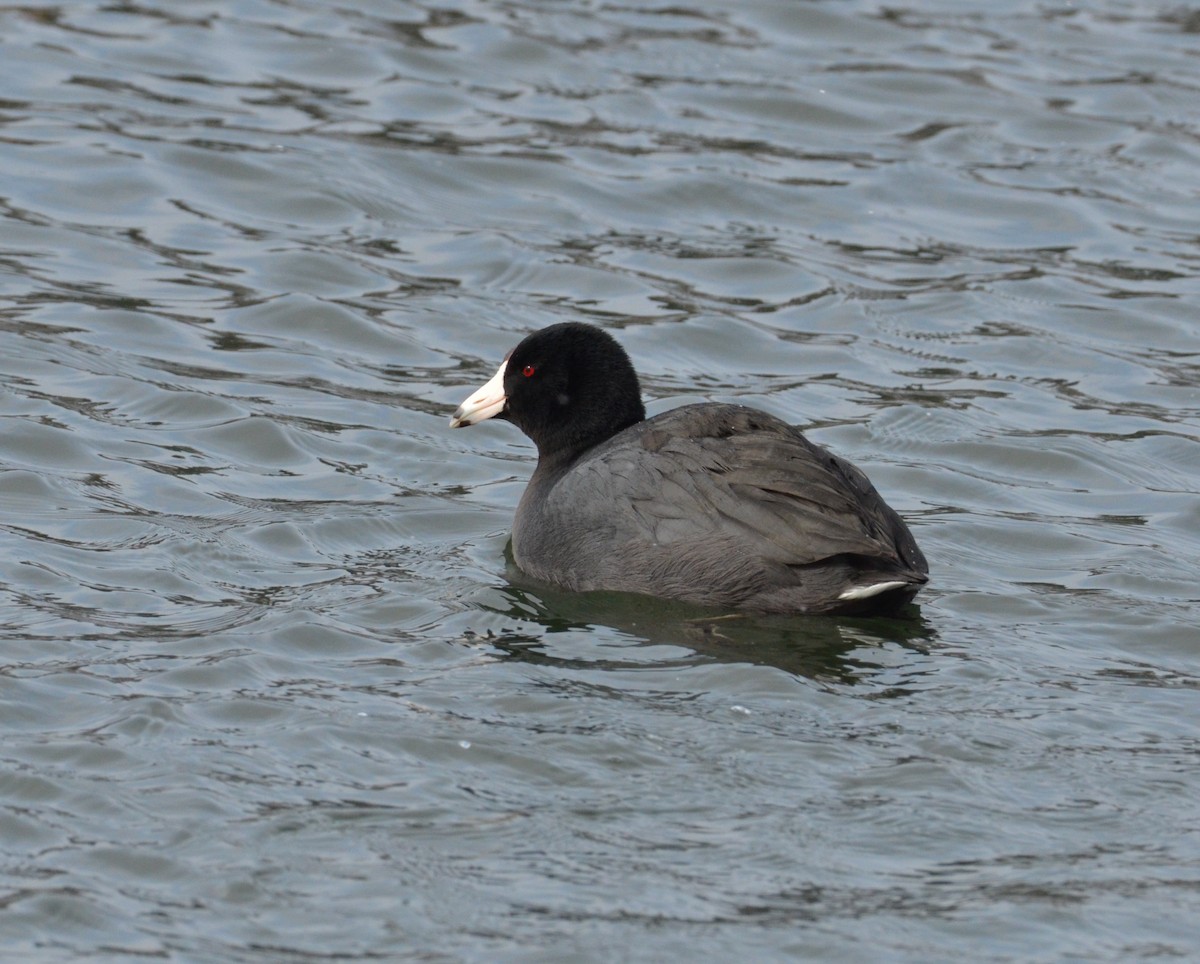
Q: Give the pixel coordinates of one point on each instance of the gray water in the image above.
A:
(268, 687)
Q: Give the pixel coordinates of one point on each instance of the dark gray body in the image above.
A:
(718, 505)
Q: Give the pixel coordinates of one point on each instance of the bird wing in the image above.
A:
(727, 476)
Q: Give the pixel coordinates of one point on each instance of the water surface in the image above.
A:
(268, 688)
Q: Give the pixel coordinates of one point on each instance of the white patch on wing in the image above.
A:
(866, 592)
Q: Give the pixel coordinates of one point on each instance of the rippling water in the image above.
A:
(269, 689)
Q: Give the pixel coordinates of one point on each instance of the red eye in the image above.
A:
(527, 371)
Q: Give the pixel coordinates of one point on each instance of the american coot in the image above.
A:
(715, 504)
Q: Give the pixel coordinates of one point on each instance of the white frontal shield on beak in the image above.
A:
(487, 402)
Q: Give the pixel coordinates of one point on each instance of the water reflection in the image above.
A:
(830, 649)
